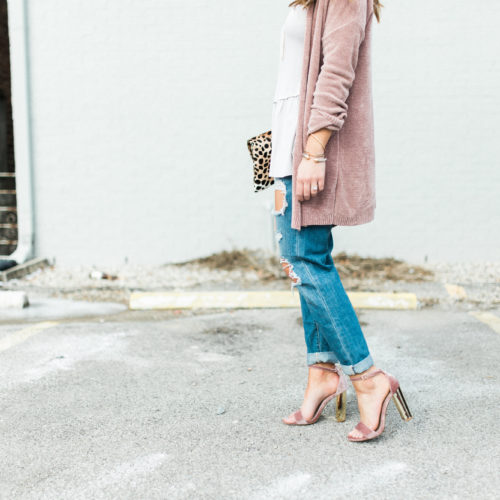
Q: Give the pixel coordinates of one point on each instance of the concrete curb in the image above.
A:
(23, 269)
(263, 299)
(13, 300)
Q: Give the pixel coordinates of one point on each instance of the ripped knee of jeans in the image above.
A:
(288, 268)
(280, 202)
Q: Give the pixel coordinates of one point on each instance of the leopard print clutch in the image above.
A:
(260, 151)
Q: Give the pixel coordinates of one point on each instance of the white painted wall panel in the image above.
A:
(141, 110)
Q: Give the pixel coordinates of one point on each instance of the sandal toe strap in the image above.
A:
(299, 418)
(365, 430)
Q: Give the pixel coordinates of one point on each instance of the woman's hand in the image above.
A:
(311, 174)
(310, 179)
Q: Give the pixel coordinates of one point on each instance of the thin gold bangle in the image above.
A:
(313, 155)
(318, 141)
(316, 159)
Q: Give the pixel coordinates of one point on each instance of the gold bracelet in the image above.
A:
(315, 159)
(318, 141)
(313, 155)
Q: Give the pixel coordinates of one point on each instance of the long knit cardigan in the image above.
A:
(336, 94)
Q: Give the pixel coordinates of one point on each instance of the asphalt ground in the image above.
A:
(147, 406)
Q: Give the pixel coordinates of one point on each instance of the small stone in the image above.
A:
(221, 410)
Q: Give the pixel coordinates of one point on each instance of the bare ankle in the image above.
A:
(325, 364)
(364, 386)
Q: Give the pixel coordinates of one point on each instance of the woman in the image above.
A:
(323, 163)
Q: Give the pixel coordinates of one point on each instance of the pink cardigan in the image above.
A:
(336, 94)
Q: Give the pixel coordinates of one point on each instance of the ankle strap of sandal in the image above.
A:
(367, 375)
(326, 368)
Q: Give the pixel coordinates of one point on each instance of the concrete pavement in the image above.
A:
(140, 408)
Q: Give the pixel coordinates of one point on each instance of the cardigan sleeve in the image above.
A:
(344, 31)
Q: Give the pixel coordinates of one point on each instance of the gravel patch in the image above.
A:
(253, 270)
(481, 280)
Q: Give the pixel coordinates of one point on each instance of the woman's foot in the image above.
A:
(320, 384)
(371, 394)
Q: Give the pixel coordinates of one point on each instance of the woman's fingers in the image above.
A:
(310, 180)
(315, 187)
(299, 190)
(307, 189)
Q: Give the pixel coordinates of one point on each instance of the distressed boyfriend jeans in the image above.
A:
(331, 328)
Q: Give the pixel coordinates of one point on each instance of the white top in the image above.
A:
(286, 96)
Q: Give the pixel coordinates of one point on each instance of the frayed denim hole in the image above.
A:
(280, 201)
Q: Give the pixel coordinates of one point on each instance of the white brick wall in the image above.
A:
(142, 108)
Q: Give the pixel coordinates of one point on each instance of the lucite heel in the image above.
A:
(340, 408)
(401, 405)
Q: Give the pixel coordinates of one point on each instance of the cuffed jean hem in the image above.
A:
(321, 357)
(358, 367)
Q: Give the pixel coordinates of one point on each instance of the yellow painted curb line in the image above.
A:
(488, 318)
(21, 335)
(376, 300)
(262, 299)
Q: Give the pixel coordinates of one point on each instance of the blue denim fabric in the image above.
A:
(332, 330)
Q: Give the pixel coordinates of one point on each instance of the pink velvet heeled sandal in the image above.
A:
(340, 406)
(397, 396)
